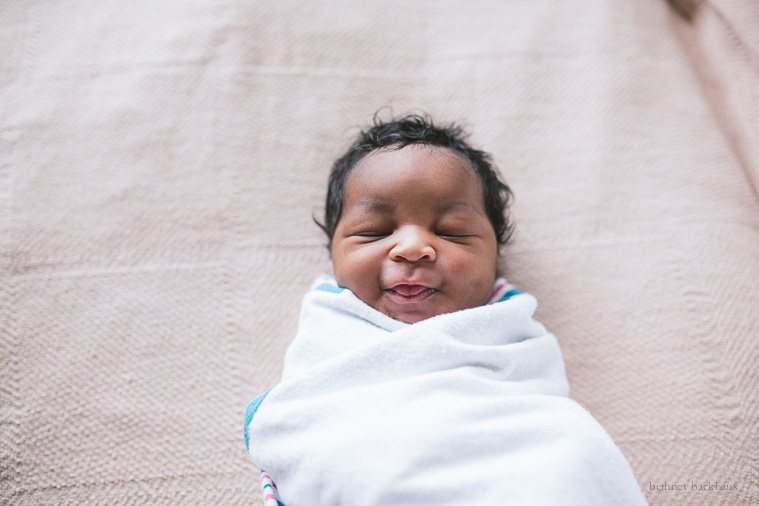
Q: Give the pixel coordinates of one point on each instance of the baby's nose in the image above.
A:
(413, 245)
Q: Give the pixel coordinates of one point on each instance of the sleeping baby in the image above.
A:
(417, 376)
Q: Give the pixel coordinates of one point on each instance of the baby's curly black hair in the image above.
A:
(418, 129)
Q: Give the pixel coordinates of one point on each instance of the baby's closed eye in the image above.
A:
(456, 230)
(455, 237)
(372, 233)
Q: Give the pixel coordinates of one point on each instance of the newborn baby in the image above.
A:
(414, 219)
(417, 377)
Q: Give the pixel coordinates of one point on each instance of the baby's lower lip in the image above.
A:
(410, 293)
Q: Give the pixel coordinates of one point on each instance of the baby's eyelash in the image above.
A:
(371, 234)
(453, 237)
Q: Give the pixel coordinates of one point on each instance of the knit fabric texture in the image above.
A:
(160, 164)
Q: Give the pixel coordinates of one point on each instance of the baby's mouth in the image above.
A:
(410, 293)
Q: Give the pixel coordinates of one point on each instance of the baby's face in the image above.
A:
(414, 239)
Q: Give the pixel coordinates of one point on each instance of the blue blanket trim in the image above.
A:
(250, 411)
(509, 294)
(328, 287)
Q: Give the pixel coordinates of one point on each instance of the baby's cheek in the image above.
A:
(356, 273)
(481, 296)
(343, 264)
(481, 287)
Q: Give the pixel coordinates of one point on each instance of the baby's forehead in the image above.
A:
(413, 175)
(414, 162)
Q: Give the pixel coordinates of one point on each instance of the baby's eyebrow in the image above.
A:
(376, 205)
(454, 205)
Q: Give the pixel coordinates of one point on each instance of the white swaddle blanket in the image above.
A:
(466, 407)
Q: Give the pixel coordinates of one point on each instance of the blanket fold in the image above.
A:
(471, 405)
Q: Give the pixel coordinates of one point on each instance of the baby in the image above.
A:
(416, 377)
(414, 218)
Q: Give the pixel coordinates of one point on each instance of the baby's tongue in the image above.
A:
(410, 290)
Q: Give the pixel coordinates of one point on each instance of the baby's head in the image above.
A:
(415, 218)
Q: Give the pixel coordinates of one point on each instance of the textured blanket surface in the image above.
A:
(160, 163)
(464, 407)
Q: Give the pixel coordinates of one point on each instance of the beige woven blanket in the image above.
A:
(160, 163)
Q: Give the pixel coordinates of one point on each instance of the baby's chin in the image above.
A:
(414, 313)
(413, 318)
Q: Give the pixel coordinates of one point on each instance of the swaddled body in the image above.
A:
(466, 406)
